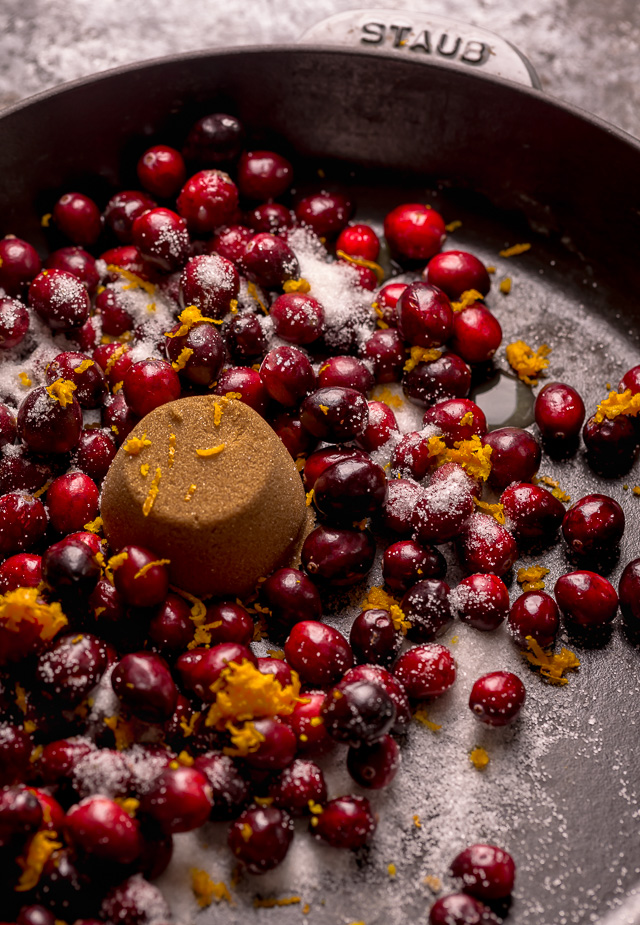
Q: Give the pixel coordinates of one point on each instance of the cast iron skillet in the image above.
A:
(513, 165)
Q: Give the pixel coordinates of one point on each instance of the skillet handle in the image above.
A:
(423, 37)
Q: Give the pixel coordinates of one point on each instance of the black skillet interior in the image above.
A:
(512, 165)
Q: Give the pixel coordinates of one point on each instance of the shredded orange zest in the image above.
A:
(188, 728)
(188, 319)
(29, 726)
(531, 578)
(45, 221)
(561, 495)
(41, 846)
(211, 451)
(135, 281)
(505, 285)
(236, 395)
(434, 883)
(25, 380)
(527, 363)
(552, 666)
(94, 526)
(202, 635)
(491, 269)
(122, 731)
(496, 510)
(198, 610)
(150, 565)
(243, 693)
(62, 391)
(22, 606)
(316, 809)
(43, 489)
(310, 495)
(84, 366)
(21, 698)
(474, 458)
(300, 463)
(636, 490)
(117, 560)
(144, 470)
(421, 355)
(296, 285)
(306, 909)
(456, 223)
(422, 716)
(129, 804)
(467, 418)
(190, 492)
(383, 394)
(272, 903)
(217, 413)
(205, 890)
(618, 403)
(324, 409)
(253, 292)
(246, 831)
(233, 306)
(153, 493)
(361, 262)
(479, 758)
(514, 250)
(113, 359)
(259, 629)
(380, 322)
(416, 822)
(378, 599)
(183, 358)
(135, 445)
(468, 297)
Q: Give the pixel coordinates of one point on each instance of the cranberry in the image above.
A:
(70, 567)
(161, 171)
(447, 377)
(15, 752)
(20, 813)
(210, 282)
(72, 501)
(402, 497)
(476, 334)
(260, 838)
(319, 653)
(76, 261)
(374, 637)
(497, 698)
(72, 666)
(115, 360)
(486, 546)
(628, 589)
(14, 323)
(288, 375)
(374, 766)
(214, 139)
(407, 562)
(336, 414)
(350, 489)
(23, 570)
(206, 355)
(387, 300)
(425, 318)
(246, 384)
(19, 263)
(325, 213)
(135, 902)
(64, 886)
(264, 175)
(119, 418)
(428, 670)
(277, 747)
(269, 261)
(359, 241)
(358, 713)
(60, 299)
(345, 372)
(594, 525)
(20, 473)
(296, 438)
(208, 199)
(414, 231)
(128, 258)
(94, 453)
(291, 597)
(382, 425)
(326, 457)
(482, 601)
(587, 599)
(346, 822)
(559, 412)
(340, 557)
(611, 444)
(201, 668)
(460, 909)
(180, 799)
(535, 614)
(230, 791)
(271, 217)
(8, 426)
(78, 217)
(35, 915)
(297, 318)
(448, 415)
(140, 578)
(451, 471)
(162, 238)
(90, 384)
(59, 758)
(279, 669)
(413, 455)
(306, 721)
(515, 456)
(631, 381)
(23, 521)
(486, 871)
(531, 511)
(426, 606)
(149, 384)
(234, 623)
(172, 629)
(144, 684)
(123, 209)
(52, 812)
(298, 785)
(245, 337)
(445, 508)
(231, 241)
(456, 272)
(385, 351)
(104, 830)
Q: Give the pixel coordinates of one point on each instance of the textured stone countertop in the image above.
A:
(585, 51)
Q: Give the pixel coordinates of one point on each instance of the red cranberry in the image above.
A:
(559, 412)
(140, 580)
(94, 453)
(269, 261)
(460, 909)
(425, 318)
(340, 557)
(19, 263)
(291, 597)
(297, 318)
(631, 381)
(201, 668)
(76, 261)
(482, 601)
(594, 525)
(444, 475)
(180, 799)
(383, 678)
(448, 415)
(535, 614)
(70, 567)
(374, 766)
(23, 521)
(172, 629)
(628, 589)
(23, 570)
(374, 637)
(8, 426)
(447, 377)
(15, 752)
(72, 666)
(335, 414)
(476, 334)
(102, 829)
(428, 670)
(298, 785)
(14, 323)
(387, 299)
(20, 813)
(208, 199)
(135, 902)
(20, 473)
(264, 175)
(119, 418)
(306, 721)
(325, 213)
(515, 456)
(296, 438)
(246, 384)
(414, 231)
(271, 217)
(407, 562)
(346, 822)
(327, 456)
(206, 357)
(359, 241)
(287, 375)
(345, 372)
(531, 511)
(128, 258)
(123, 209)
(230, 791)
(234, 623)
(486, 546)
(78, 217)
(382, 425)
(60, 299)
(445, 508)
(358, 713)
(350, 489)
(385, 350)
(72, 501)
(456, 272)
(245, 337)
(144, 684)
(59, 758)
(161, 171)
(497, 698)
(426, 606)
(486, 871)
(149, 384)
(162, 238)
(611, 444)
(279, 669)
(231, 241)
(402, 497)
(90, 384)
(587, 599)
(210, 282)
(214, 139)
(115, 360)
(277, 747)
(413, 455)
(319, 653)
(260, 838)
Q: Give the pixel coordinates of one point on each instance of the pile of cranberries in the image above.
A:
(111, 791)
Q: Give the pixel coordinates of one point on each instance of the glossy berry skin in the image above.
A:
(487, 872)
(8, 426)
(320, 460)
(263, 175)
(72, 667)
(476, 334)
(14, 323)
(230, 791)
(406, 562)
(144, 590)
(447, 377)
(425, 318)
(15, 751)
(295, 437)
(245, 337)
(207, 200)
(497, 698)
(515, 456)
(132, 901)
(358, 713)
(531, 511)
(287, 375)
(359, 241)
(209, 282)
(486, 546)
(291, 596)
(118, 418)
(70, 567)
(611, 445)
(594, 525)
(260, 837)
(236, 624)
(149, 384)
(350, 490)
(456, 272)
(428, 670)
(269, 261)
(559, 412)
(481, 601)
(338, 556)
(161, 171)
(414, 231)
(277, 748)
(102, 829)
(60, 299)
(631, 381)
(23, 521)
(123, 209)
(382, 425)
(586, 599)
(208, 353)
(460, 909)
(78, 262)
(248, 384)
(115, 359)
(230, 241)
(271, 217)
(385, 351)
(445, 508)
(78, 217)
(374, 766)
(91, 386)
(19, 264)
(297, 318)
(129, 257)
(294, 787)
(402, 497)
(347, 822)
(426, 606)
(374, 638)
(94, 453)
(72, 500)
(144, 684)
(381, 677)
(447, 416)
(179, 799)
(24, 570)
(319, 653)
(171, 629)
(335, 414)
(306, 722)
(162, 238)
(199, 669)
(628, 589)
(536, 614)
(325, 213)
(214, 139)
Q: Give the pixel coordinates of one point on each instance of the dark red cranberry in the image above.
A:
(214, 139)
(8, 426)
(206, 356)
(172, 629)
(358, 713)
(59, 758)
(531, 511)
(52, 812)
(78, 217)
(60, 299)
(482, 601)
(594, 525)
(231, 241)
(210, 282)
(69, 566)
(445, 508)
(327, 456)
(260, 838)
(340, 557)
(385, 351)
(414, 231)
(123, 209)
(180, 799)
(245, 337)
(269, 261)
(119, 418)
(35, 915)
(20, 813)
(128, 257)
(335, 414)
(382, 425)
(94, 453)
(425, 318)
(486, 546)
(374, 766)
(402, 497)
(207, 200)
(19, 263)
(296, 438)
(428, 670)
(346, 822)
(448, 376)
(140, 578)
(611, 444)
(72, 666)
(359, 241)
(345, 372)
(306, 721)
(233, 623)
(230, 791)
(476, 334)
(161, 171)
(144, 684)
(325, 213)
(135, 902)
(456, 272)
(72, 500)
(162, 238)
(497, 698)
(76, 261)
(23, 570)
(486, 872)
(264, 175)
(534, 614)
(107, 608)
(374, 637)
(15, 752)
(412, 455)
(631, 381)
(515, 456)
(277, 747)
(14, 323)
(271, 217)
(350, 489)
(449, 471)
(90, 383)
(460, 909)
(407, 562)
(297, 786)
(448, 416)
(102, 829)
(199, 669)
(149, 384)
(23, 521)
(291, 597)
(559, 412)
(319, 653)
(387, 299)
(288, 375)
(246, 384)
(115, 360)
(426, 606)
(20, 473)
(628, 589)
(586, 599)
(297, 318)
(279, 669)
